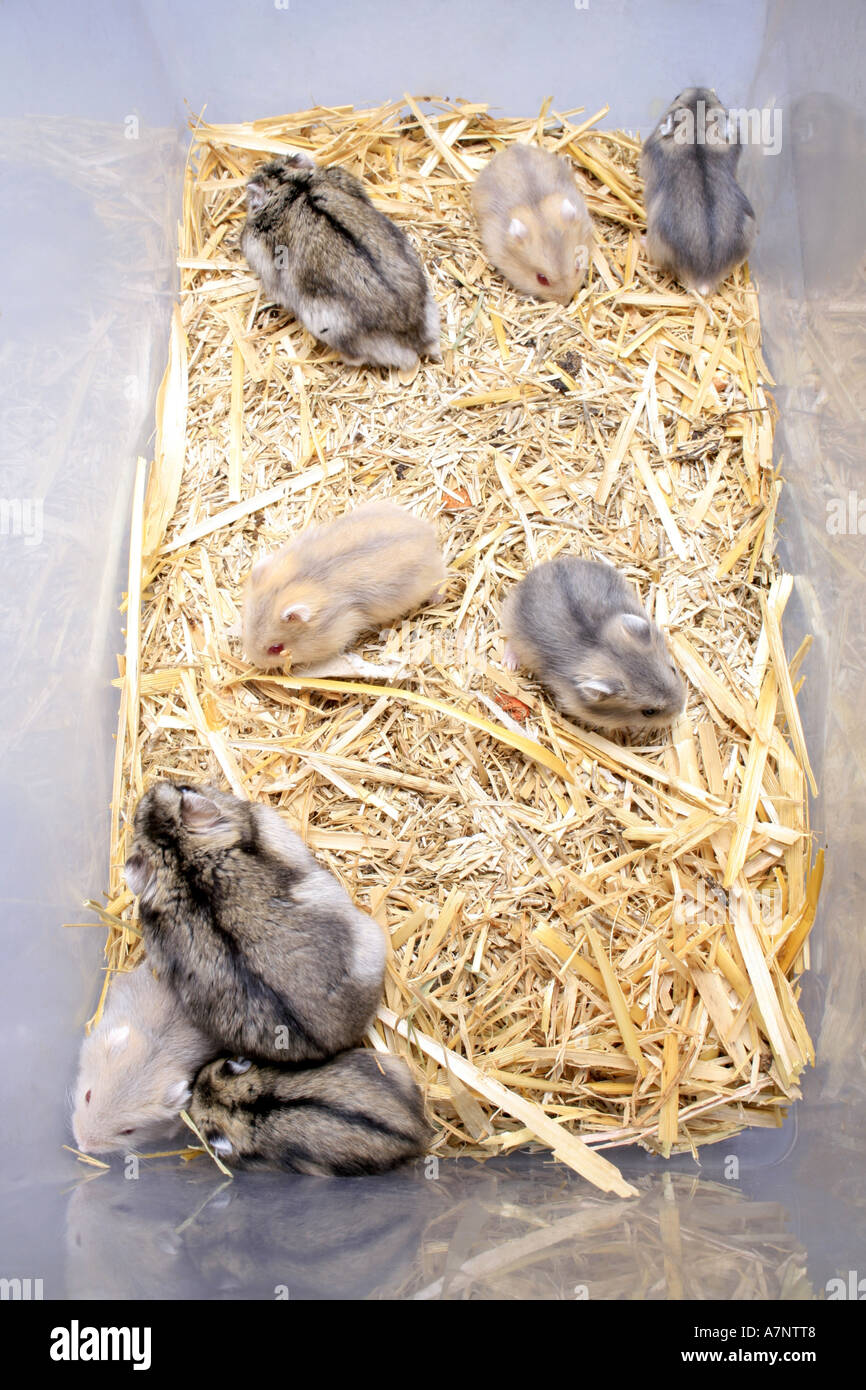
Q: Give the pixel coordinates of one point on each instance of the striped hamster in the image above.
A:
(700, 224)
(262, 945)
(578, 625)
(359, 1113)
(314, 597)
(342, 267)
(136, 1067)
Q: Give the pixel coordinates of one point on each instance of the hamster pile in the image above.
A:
(262, 977)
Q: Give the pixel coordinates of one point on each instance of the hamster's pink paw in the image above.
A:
(510, 659)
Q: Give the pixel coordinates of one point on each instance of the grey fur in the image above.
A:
(579, 626)
(700, 224)
(262, 945)
(361, 1112)
(342, 267)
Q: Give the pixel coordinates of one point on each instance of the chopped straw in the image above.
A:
(591, 935)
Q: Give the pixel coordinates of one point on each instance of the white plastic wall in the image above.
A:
(93, 103)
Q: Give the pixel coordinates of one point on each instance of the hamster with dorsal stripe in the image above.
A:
(534, 222)
(136, 1067)
(314, 597)
(579, 626)
(700, 224)
(323, 251)
(359, 1113)
(263, 947)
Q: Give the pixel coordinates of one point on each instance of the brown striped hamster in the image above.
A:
(578, 625)
(359, 1113)
(262, 945)
(700, 224)
(136, 1067)
(314, 597)
(534, 222)
(342, 267)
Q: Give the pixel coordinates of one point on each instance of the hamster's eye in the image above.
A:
(87, 1095)
(542, 279)
(649, 713)
(276, 649)
(127, 1131)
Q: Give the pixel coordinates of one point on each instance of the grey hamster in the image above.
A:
(136, 1066)
(578, 625)
(265, 950)
(314, 597)
(534, 222)
(342, 267)
(700, 224)
(359, 1113)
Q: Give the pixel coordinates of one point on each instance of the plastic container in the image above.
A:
(92, 139)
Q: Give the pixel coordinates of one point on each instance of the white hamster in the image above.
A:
(136, 1068)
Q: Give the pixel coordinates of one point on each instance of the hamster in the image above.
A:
(700, 224)
(137, 1067)
(578, 625)
(342, 267)
(358, 1113)
(534, 222)
(263, 947)
(314, 597)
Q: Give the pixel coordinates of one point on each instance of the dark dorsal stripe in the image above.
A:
(343, 231)
(356, 1119)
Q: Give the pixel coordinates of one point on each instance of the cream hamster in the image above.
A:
(534, 222)
(261, 944)
(578, 625)
(342, 267)
(136, 1067)
(314, 597)
(700, 224)
(359, 1113)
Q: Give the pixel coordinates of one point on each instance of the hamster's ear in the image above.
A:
(296, 613)
(667, 125)
(568, 210)
(635, 626)
(301, 159)
(198, 812)
(118, 1039)
(140, 874)
(517, 229)
(594, 691)
(238, 1065)
(257, 195)
(177, 1095)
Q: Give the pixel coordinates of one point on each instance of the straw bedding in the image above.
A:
(594, 940)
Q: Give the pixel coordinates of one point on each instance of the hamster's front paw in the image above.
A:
(510, 659)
